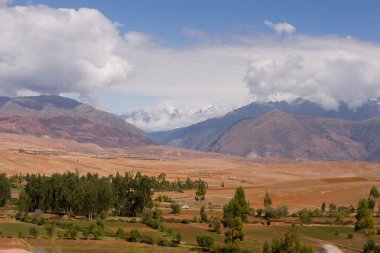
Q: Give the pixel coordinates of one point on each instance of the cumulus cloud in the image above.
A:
(48, 50)
(323, 70)
(281, 28)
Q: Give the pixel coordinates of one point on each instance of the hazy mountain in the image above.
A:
(206, 135)
(59, 117)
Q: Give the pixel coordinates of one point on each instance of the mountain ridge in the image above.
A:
(205, 135)
(60, 117)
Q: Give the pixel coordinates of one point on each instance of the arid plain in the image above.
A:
(298, 184)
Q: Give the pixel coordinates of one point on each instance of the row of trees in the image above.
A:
(90, 195)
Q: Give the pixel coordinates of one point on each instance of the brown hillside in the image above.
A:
(279, 134)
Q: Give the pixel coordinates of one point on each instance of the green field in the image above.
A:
(255, 236)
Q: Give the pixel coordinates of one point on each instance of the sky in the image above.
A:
(172, 63)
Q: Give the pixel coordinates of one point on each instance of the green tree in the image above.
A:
(23, 204)
(290, 244)
(176, 209)
(234, 213)
(373, 196)
(203, 214)
(5, 190)
(323, 207)
(201, 191)
(267, 201)
(243, 203)
(215, 224)
(371, 247)
(206, 242)
(364, 221)
(235, 233)
(332, 207)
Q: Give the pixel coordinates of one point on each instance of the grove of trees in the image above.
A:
(92, 195)
(5, 190)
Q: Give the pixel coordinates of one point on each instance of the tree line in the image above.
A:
(91, 194)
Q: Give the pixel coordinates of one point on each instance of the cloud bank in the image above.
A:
(53, 51)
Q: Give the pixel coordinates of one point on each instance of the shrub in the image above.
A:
(206, 242)
(134, 236)
(215, 224)
(70, 232)
(33, 232)
(177, 238)
(120, 233)
(176, 209)
(163, 242)
(147, 239)
(282, 211)
(49, 228)
(305, 216)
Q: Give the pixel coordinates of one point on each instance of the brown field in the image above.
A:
(299, 185)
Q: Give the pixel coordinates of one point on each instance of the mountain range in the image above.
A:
(295, 130)
(64, 118)
(299, 129)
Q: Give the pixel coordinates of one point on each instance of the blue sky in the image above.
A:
(167, 18)
(184, 61)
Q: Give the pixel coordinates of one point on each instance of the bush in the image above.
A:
(206, 242)
(163, 242)
(176, 209)
(134, 236)
(177, 238)
(216, 225)
(282, 211)
(305, 216)
(20, 234)
(49, 228)
(120, 233)
(33, 232)
(70, 232)
(185, 221)
(203, 215)
(37, 217)
(147, 239)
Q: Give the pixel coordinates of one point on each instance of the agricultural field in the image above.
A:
(297, 185)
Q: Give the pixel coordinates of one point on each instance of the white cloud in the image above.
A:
(48, 50)
(323, 70)
(138, 39)
(281, 28)
(4, 3)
